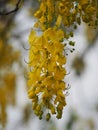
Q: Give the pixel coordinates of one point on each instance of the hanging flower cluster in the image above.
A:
(46, 85)
(47, 72)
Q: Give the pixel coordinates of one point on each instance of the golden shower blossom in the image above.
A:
(55, 18)
(46, 75)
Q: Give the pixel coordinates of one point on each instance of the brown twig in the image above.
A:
(12, 11)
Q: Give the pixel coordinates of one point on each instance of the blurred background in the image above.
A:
(81, 112)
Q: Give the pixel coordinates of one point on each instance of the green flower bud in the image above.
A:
(48, 116)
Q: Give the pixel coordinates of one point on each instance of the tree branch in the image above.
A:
(12, 11)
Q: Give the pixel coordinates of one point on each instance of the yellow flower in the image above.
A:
(32, 37)
(34, 76)
(60, 85)
(59, 72)
(48, 81)
(59, 20)
(52, 108)
(61, 59)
